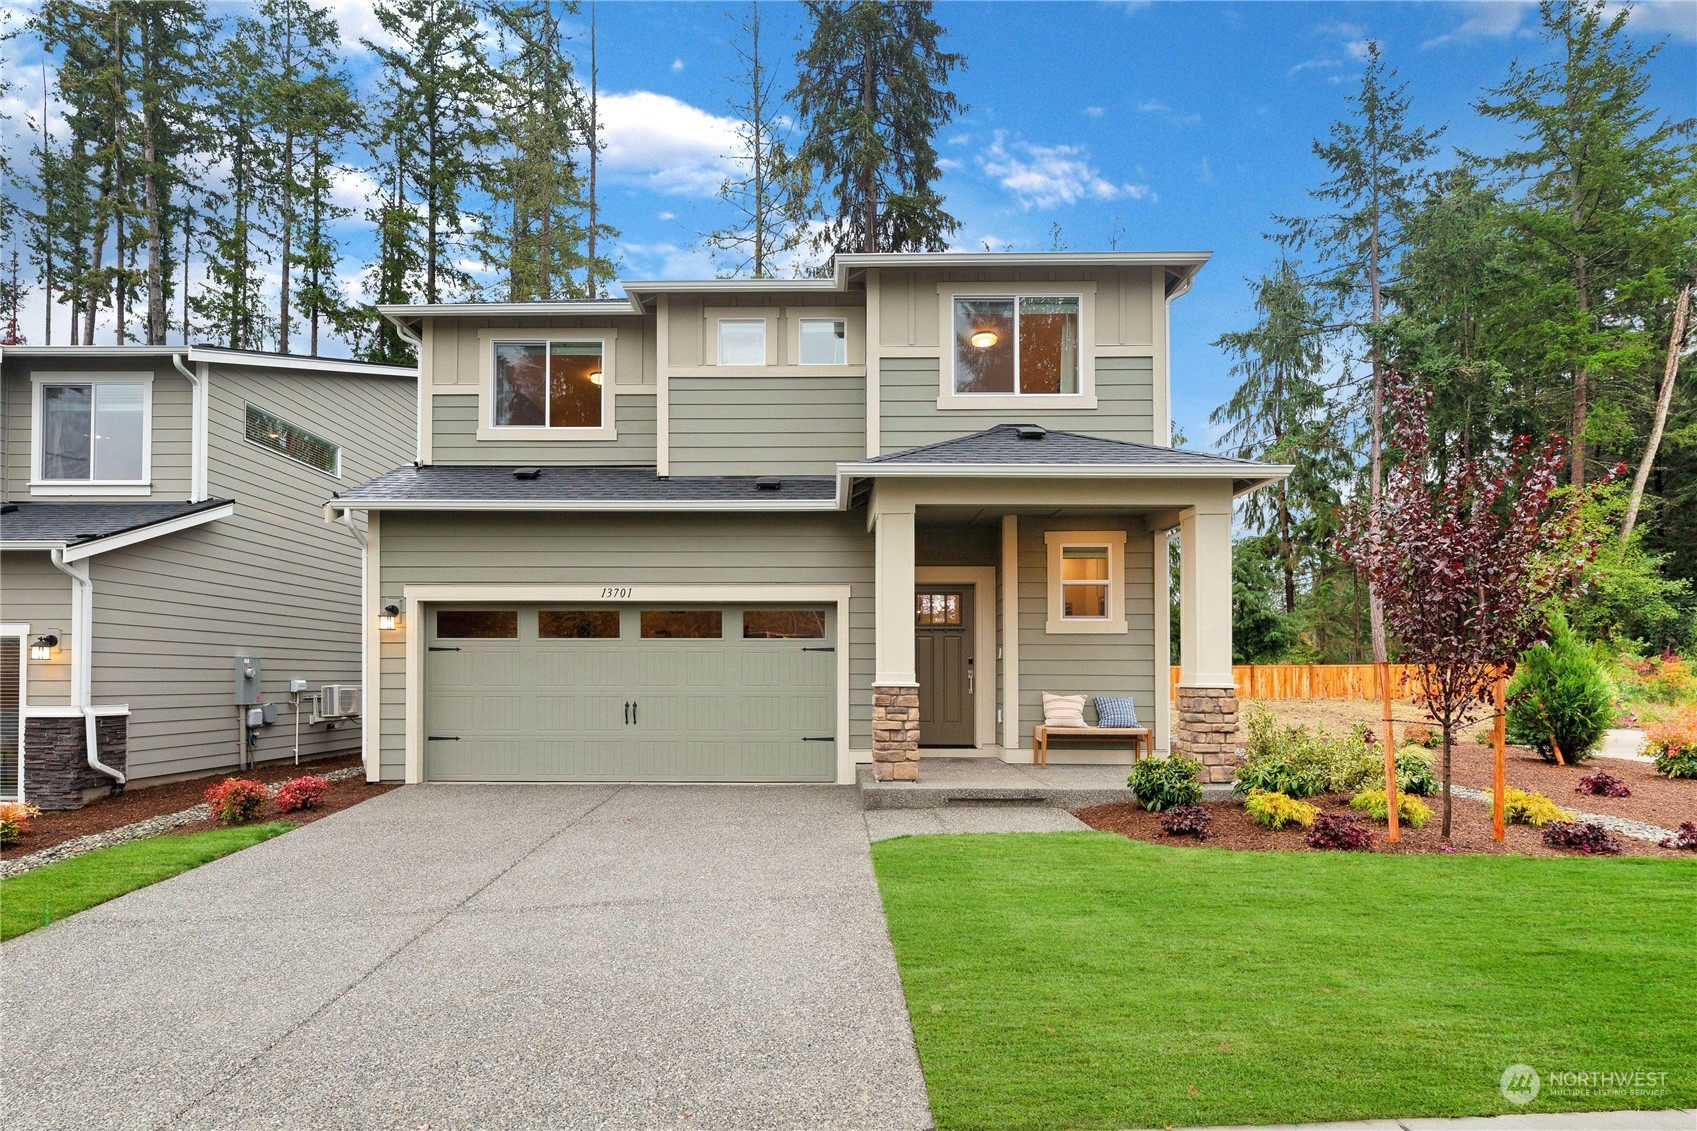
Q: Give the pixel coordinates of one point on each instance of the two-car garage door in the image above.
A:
(630, 693)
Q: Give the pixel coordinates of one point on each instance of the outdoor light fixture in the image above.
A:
(984, 339)
(390, 618)
(41, 648)
(595, 378)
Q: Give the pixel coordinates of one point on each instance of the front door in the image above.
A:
(942, 624)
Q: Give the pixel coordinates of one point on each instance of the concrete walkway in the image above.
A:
(484, 956)
(1530, 1121)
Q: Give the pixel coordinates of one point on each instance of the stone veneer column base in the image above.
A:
(895, 733)
(1205, 728)
(56, 770)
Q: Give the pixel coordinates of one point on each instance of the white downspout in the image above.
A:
(365, 723)
(197, 445)
(82, 658)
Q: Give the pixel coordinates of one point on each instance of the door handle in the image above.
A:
(633, 706)
(969, 681)
(627, 712)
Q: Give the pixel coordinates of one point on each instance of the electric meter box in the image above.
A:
(249, 680)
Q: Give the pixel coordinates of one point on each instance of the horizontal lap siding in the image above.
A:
(274, 580)
(673, 549)
(34, 592)
(1086, 663)
(766, 426)
(454, 437)
(909, 416)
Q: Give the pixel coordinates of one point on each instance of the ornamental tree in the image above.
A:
(1458, 547)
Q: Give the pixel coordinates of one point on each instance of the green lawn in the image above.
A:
(53, 891)
(1083, 980)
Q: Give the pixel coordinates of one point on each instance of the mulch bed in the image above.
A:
(139, 802)
(1656, 799)
(1470, 832)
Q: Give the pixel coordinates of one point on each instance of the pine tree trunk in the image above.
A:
(1664, 399)
(1581, 376)
(155, 239)
(868, 174)
(287, 234)
(594, 284)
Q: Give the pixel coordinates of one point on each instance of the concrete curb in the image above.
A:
(1668, 1120)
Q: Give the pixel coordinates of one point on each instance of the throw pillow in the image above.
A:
(1063, 710)
(1116, 711)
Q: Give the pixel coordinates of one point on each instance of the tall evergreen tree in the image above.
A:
(239, 244)
(171, 37)
(872, 91)
(317, 252)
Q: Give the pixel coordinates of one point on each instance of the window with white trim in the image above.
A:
(92, 431)
(548, 383)
(742, 341)
(822, 341)
(270, 431)
(1016, 345)
(1086, 580)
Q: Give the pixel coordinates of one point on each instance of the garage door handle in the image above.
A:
(627, 712)
(633, 712)
(443, 738)
(442, 648)
(827, 648)
(825, 738)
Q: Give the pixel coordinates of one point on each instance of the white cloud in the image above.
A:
(1178, 118)
(665, 216)
(1094, 111)
(356, 20)
(1043, 176)
(666, 144)
(1313, 65)
(1656, 18)
(1205, 172)
(1491, 19)
(666, 260)
(677, 64)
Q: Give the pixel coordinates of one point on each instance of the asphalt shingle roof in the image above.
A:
(497, 483)
(73, 524)
(1003, 444)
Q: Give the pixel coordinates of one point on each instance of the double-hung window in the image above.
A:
(554, 384)
(92, 432)
(1086, 580)
(1016, 345)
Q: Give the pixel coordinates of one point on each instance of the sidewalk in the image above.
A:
(1562, 1121)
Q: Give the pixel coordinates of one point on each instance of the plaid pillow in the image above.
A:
(1116, 711)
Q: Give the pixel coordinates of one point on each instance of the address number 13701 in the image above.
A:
(615, 591)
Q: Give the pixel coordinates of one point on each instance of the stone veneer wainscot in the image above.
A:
(895, 733)
(1206, 730)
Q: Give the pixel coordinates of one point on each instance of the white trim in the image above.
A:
(490, 432)
(874, 361)
(415, 597)
(197, 379)
(982, 580)
(205, 354)
(425, 448)
(64, 711)
(1113, 541)
(148, 533)
(572, 505)
(38, 482)
(949, 398)
(1260, 473)
(371, 646)
(1010, 632)
(662, 387)
(1162, 707)
(20, 629)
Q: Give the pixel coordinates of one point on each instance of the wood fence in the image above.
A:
(1315, 681)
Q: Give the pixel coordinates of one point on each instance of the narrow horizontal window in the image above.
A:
(682, 624)
(269, 430)
(575, 624)
(553, 384)
(1016, 344)
(824, 341)
(742, 341)
(477, 624)
(783, 624)
(93, 432)
(936, 608)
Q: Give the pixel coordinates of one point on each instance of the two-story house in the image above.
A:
(766, 530)
(172, 601)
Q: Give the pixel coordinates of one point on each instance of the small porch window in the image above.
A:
(1086, 581)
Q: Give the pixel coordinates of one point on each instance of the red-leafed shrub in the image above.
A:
(1187, 820)
(1600, 784)
(235, 800)
(1592, 840)
(302, 793)
(1343, 833)
(1685, 838)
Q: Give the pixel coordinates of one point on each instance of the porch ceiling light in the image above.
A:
(595, 378)
(389, 619)
(41, 648)
(984, 339)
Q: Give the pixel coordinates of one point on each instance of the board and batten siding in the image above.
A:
(454, 436)
(909, 416)
(172, 422)
(595, 549)
(766, 425)
(273, 580)
(34, 592)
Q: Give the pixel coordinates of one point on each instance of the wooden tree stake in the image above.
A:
(1383, 671)
(1499, 773)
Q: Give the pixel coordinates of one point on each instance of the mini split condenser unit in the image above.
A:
(338, 701)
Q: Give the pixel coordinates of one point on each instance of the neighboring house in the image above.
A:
(765, 530)
(161, 522)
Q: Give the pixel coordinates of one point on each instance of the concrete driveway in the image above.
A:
(484, 957)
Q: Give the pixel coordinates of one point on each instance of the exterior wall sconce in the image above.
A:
(389, 619)
(41, 648)
(595, 378)
(984, 339)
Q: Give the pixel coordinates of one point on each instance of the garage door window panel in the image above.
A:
(477, 624)
(578, 624)
(682, 624)
(783, 624)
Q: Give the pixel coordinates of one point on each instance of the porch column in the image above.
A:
(1206, 726)
(895, 687)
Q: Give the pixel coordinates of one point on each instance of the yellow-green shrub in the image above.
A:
(1526, 808)
(1275, 810)
(1412, 811)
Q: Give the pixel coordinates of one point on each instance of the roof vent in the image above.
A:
(527, 473)
(768, 483)
(1030, 432)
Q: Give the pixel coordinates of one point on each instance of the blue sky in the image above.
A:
(1169, 125)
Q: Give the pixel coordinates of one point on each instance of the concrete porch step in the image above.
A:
(977, 781)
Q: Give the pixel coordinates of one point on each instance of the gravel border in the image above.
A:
(1637, 830)
(140, 830)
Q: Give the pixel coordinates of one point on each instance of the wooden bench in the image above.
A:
(1142, 740)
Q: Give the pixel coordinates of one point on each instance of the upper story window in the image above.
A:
(1016, 344)
(92, 432)
(549, 384)
(823, 341)
(742, 341)
(272, 432)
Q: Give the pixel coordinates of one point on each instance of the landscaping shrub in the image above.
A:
(1275, 810)
(1419, 734)
(302, 793)
(1560, 693)
(1673, 744)
(1414, 773)
(1162, 783)
(1685, 838)
(1187, 820)
(1412, 811)
(14, 820)
(1600, 784)
(1293, 761)
(1341, 832)
(235, 800)
(1592, 840)
(1523, 808)
(1361, 765)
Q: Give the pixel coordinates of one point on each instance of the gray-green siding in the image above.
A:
(34, 592)
(766, 426)
(454, 437)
